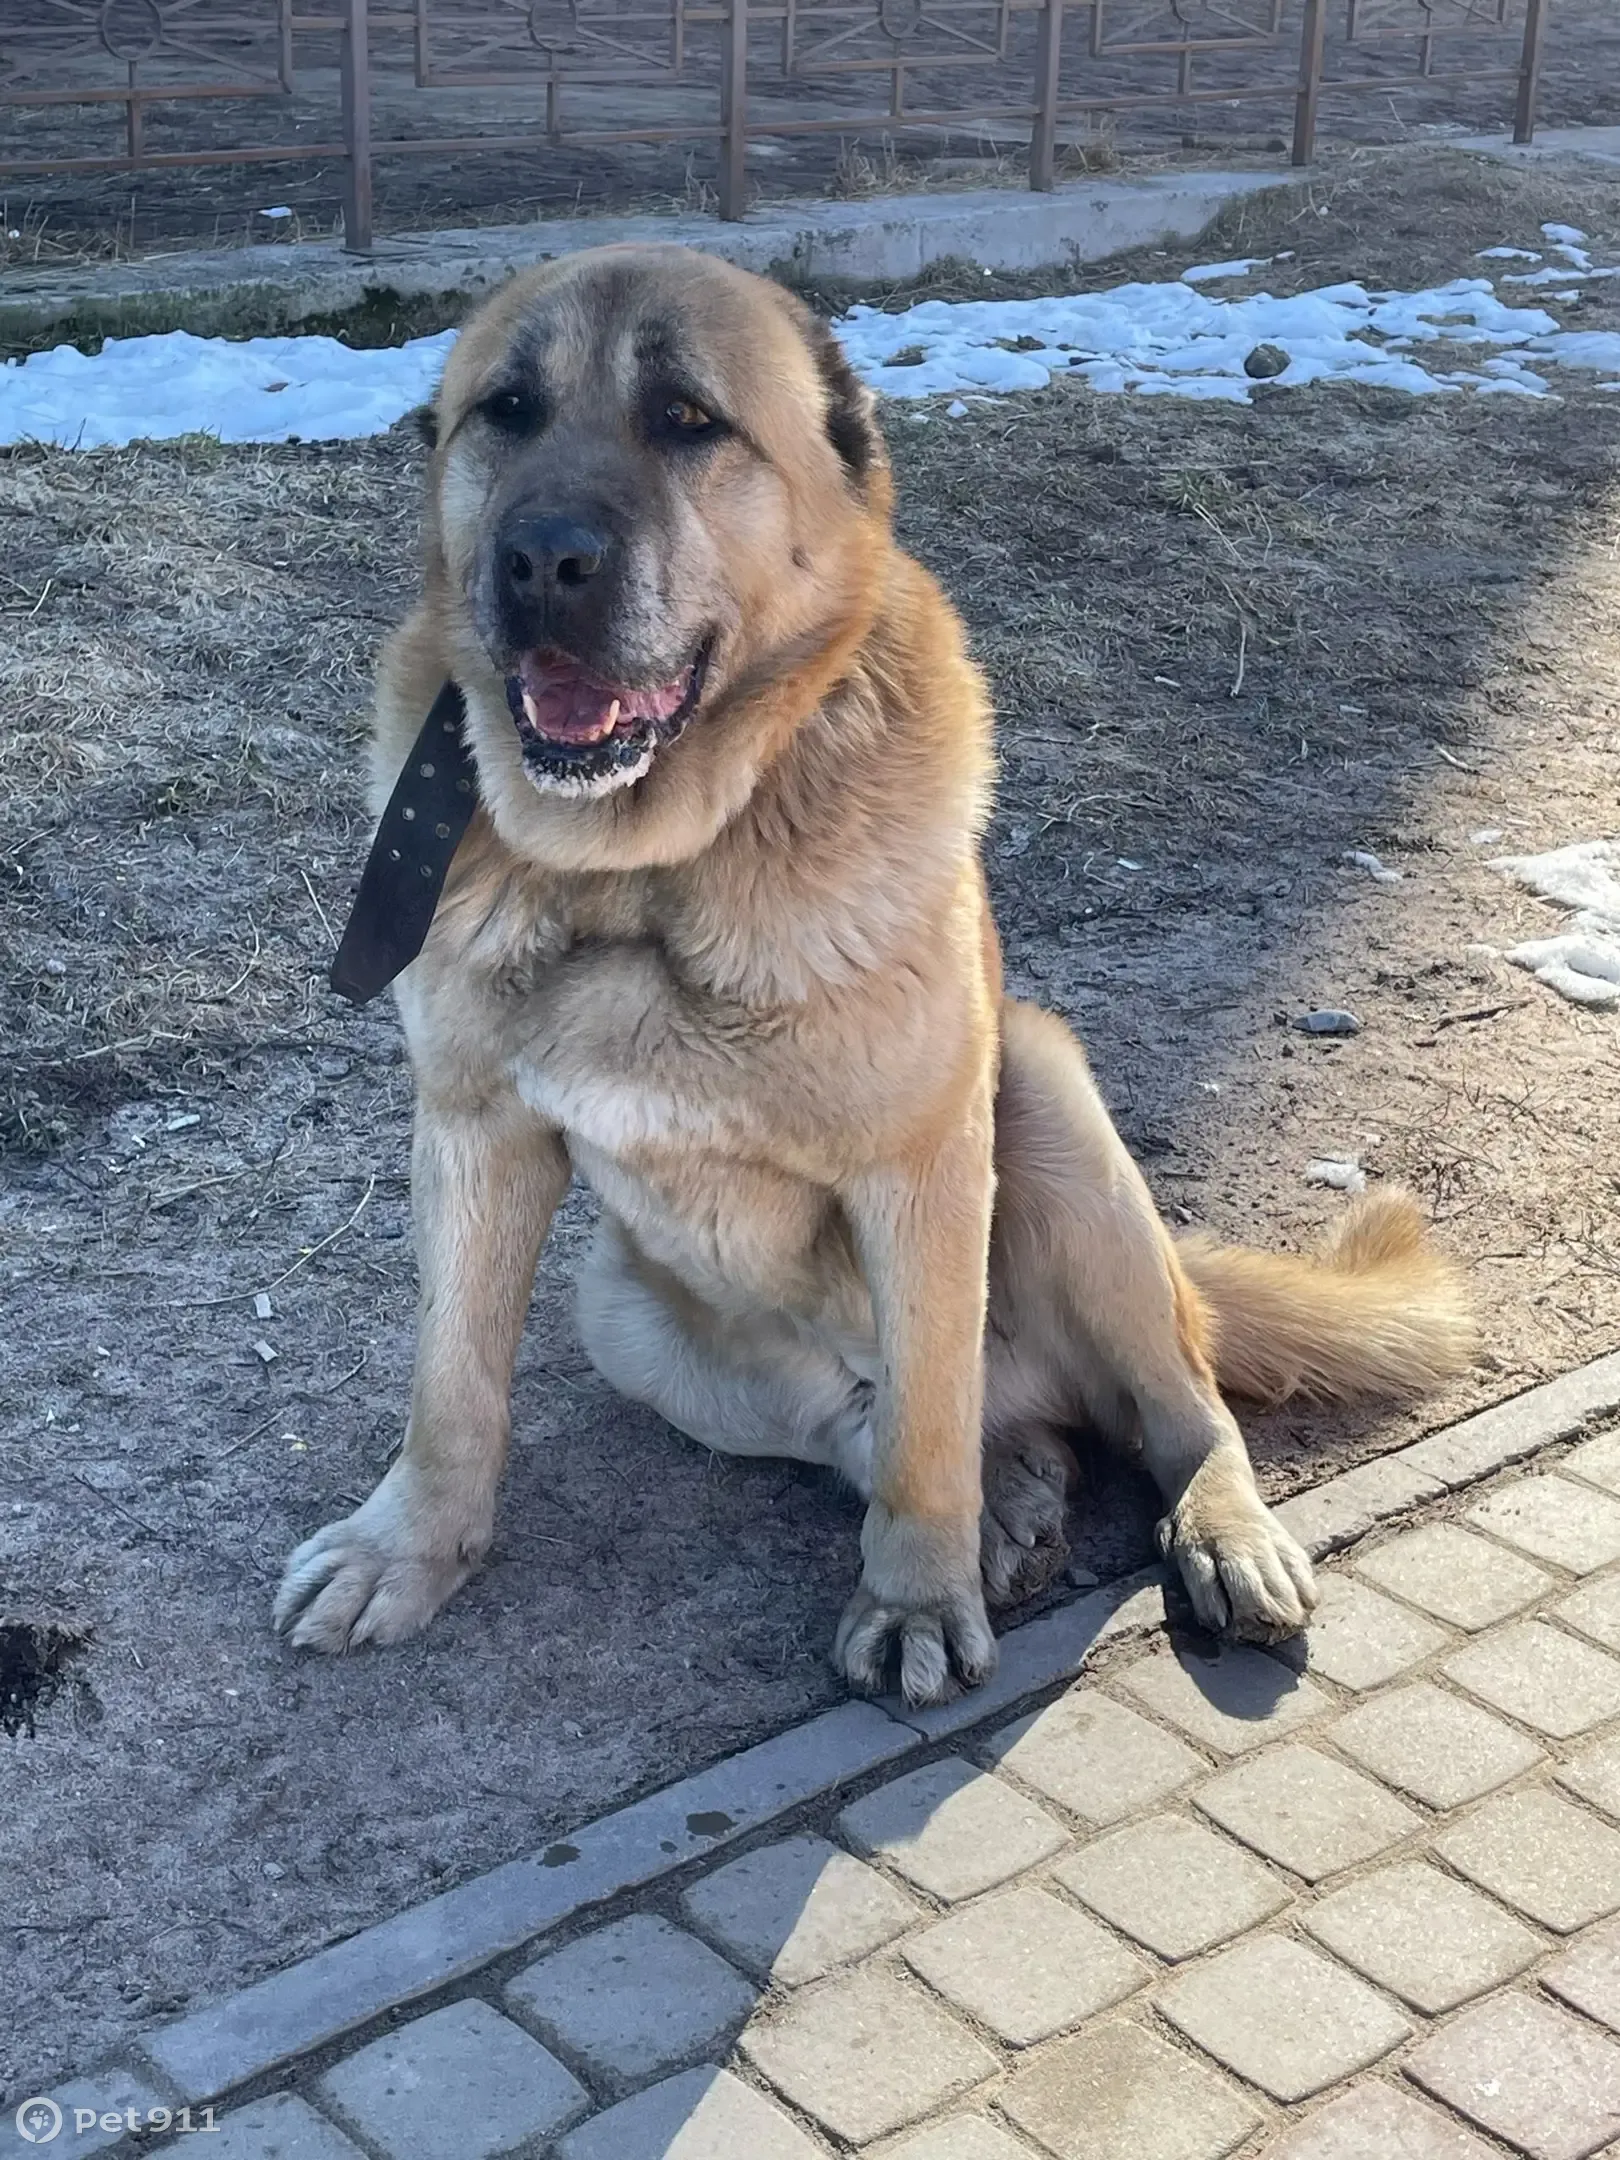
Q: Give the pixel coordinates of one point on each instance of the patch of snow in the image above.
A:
(1173, 339)
(1208, 273)
(1597, 349)
(1581, 963)
(281, 210)
(1343, 1172)
(1166, 339)
(251, 390)
(1570, 235)
(1508, 254)
(1554, 274)
(1584, 875)
(1487, 836)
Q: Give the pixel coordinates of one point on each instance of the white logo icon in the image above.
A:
(38, 2121)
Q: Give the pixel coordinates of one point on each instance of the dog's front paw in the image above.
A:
(379, 1574)
(1022, 1544)
(1246, 1576)
(919, 1611)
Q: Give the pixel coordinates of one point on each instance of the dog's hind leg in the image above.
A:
(1092, 1318)
(755, 1385)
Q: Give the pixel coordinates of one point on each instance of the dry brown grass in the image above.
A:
(185, 675)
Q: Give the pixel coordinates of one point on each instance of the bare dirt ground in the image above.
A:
(64, 217)
(1228, 645)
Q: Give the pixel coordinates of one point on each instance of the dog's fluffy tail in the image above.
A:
(1378, 1312)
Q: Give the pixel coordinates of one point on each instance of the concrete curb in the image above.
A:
(304, 2007)
(239, 291)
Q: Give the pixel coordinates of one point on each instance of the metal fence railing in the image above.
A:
(204, 82)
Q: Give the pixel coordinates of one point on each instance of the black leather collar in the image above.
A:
(427, 814)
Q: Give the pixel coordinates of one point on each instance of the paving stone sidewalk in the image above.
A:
(1364, 1907)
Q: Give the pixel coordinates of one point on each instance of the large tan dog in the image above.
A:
(718, 940)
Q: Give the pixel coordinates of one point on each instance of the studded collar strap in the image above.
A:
(429, 810)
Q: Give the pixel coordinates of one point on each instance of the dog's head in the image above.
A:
(658, 503)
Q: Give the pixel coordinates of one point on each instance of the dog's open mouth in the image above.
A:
(583, 735)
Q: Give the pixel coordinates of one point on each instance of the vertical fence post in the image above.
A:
(734, 113)
(1313, 37)
(1524, 110)
(1048, 67)
(355, 70)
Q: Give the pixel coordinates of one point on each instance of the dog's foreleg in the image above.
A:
(485, 1183)
(922, 1232)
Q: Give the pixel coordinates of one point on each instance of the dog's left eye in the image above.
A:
(510, 410)
(682, 417)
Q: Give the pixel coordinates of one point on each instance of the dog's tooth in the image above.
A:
(613, 714)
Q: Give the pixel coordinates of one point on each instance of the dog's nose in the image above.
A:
(538, 553)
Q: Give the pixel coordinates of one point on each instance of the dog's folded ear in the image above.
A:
(851, 408)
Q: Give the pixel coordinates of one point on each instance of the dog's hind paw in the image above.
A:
(1028, 1477)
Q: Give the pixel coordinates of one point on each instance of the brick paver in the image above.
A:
(1202, 1903)
(1594, 1610)
(1553, 1518)
(1434, 1746)
(1119, 2093)
(1307, 1811)
(1537, 1852)
(866, 2055)
(1172, 1885)
(1231, 1703)
(965, 2137)
(703, 2114)
(1362, 1640)
(1546, 1679)
(1534, 2075)
(1425, 1937)
(1096, 1758)
(1456, 1576)
(281, 2127)
(1589, 1975)
(1593, 1773)
(633, 2000)
(1025, 1964)
(462, 2084)
(1375, 2122)
(1282, 2016)
(951, 1829)
(791, 1912)
(1598, 1461)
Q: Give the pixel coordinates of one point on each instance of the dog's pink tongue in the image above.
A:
(564, 701)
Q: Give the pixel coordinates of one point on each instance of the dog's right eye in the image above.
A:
(514, 412)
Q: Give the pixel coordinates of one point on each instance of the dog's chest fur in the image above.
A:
(708, 1123)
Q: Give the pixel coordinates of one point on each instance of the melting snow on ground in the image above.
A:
(1581, 963)
(247, 390)
(1172, 338)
